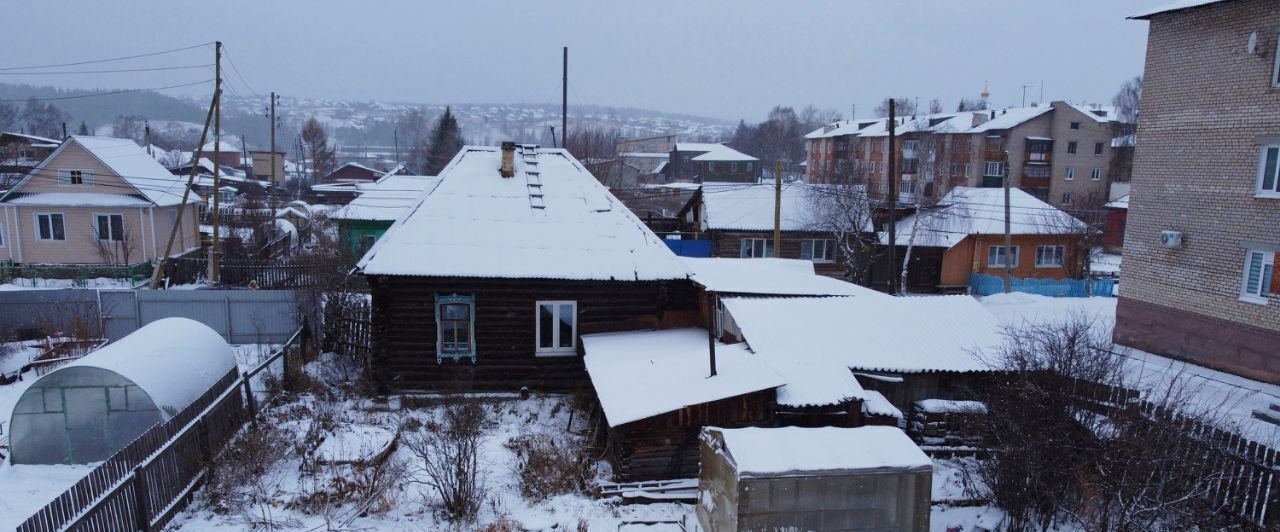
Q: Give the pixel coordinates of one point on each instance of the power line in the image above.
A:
(237, 71)
(154, 69)
(149, 54)
(109, 93)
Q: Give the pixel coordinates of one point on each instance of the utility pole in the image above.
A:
(564, 100)
(893, 200)
(395, 136)
(215, 273)
(158, 273)
(1008, 235)
(1024, 95)
(777, 208)
(274, 183)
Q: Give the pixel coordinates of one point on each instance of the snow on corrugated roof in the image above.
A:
(1174, 6)
(43, 142)
(642, 374)
(791, 451)
(714, 152)
(769, 276)
(749, 207)
(842, 127)
(553, 220)
(386, 199)
(1103, 114)
(129, 161)
(980, 211)
(808, 339)
(1121, 202)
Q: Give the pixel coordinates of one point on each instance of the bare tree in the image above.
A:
(596, 148)
(1077, 440)
(935, 106)
(43, 119)
(318, 150)
(131, 127)
(844, 210)
(1127, 99)
(972, 104)
(901, 107)
(412, 130)
(112, 243)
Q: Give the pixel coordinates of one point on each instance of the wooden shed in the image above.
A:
(866, 478)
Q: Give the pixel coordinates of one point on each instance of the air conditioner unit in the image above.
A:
(1171, 239)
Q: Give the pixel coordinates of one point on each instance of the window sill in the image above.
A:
(1266, 195)
(1254, 300)
(1047, 266)
(555, 354)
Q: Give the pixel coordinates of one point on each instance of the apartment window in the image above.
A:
(1066, 198)
(966, 170)
(995, 257)
(2, 235)
(1269, 171)
(750, 166)
(75, 177)
(1259, 266)
(818, 250)
(908, 186)
(26, 154)
(557, 327)
(49, 227)
(733, 167)
(995, 169)
(1071, 173)
(109, 227)
(1097, 148)
(1075, 125)
(711, 167)
(1038, 170)
(455, 327)
(1071, 148)
(1096, 175)
(755, 248)
(1050, 256)
(1275, 70)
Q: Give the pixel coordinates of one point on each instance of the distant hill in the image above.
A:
(364, 123)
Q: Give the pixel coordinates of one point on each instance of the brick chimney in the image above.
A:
(508, 168)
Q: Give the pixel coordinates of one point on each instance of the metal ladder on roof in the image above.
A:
(532, 175)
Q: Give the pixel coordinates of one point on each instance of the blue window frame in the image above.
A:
(455, 327)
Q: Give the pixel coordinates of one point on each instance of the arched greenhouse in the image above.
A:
(92, 407)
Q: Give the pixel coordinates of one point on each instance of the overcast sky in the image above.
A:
(722, 59)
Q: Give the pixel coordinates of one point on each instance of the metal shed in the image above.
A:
(791, 478)
(92, 407)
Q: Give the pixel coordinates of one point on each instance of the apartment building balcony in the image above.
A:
(1039, 157)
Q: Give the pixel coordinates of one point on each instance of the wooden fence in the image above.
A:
(265, 273)
(1246, 473)
(348, 331)
(145, 484)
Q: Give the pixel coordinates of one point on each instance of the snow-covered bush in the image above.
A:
(448, 451)
(549, 466)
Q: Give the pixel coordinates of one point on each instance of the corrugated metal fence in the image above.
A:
(984, 285)
(240, 316)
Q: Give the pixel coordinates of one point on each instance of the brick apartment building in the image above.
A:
(1205, 167)
(1059, 153)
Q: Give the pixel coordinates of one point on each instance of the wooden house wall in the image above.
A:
(729, 244)
(405, 329)
(666, 446)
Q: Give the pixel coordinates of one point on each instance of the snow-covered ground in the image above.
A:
(1108, 263)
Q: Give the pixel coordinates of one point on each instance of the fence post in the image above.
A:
(284, 367)
(142, 514)
(248, 398)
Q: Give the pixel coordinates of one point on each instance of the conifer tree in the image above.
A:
(444, 143)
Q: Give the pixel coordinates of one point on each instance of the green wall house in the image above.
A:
(363, 221)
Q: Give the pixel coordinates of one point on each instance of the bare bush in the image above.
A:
(549, 466)
(1063, 455)
(448, 449)
(244, 477)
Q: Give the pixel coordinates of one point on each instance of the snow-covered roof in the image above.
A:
(223, 146)
(980, 211)
(813, 342)
(749, 207)
(130, 162)
(714, 152)
(1179, 5)
(74, 199)
(795, 451)
(1009, 117)
(40, 142)
(386, 199)
(357, 166)
(876, 404)
(841, 128)
(1121, 202)
(174, 360)
(552, 220)
(769, 276)
(646, 155)
(1103, 114)
(642, 374)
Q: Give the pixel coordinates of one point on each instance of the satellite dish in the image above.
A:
(1253, 43)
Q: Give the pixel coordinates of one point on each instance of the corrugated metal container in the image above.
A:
(866, 478)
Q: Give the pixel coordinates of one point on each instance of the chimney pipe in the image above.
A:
(508, 168)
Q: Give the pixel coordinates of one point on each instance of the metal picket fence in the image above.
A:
(982, 284)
